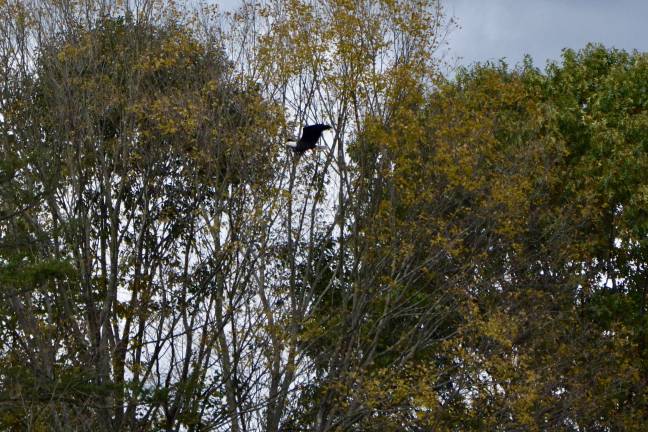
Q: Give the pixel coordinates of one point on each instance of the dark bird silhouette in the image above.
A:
(310, 135)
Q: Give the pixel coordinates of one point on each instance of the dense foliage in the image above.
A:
(470, 254)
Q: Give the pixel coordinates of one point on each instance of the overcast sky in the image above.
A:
(492, 29)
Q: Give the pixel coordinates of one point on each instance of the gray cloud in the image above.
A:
(492, 29)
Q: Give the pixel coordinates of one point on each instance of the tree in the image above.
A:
(129, 146)
(544, 204)
(169, 241)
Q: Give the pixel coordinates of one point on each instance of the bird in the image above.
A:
(310, 135)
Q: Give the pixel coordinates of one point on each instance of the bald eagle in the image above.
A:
(310, 135)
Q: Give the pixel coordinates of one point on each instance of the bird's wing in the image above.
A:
(311, 133)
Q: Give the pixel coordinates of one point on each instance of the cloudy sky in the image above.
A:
(492, 29)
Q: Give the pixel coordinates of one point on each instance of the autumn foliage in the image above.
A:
(469, 253)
